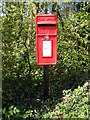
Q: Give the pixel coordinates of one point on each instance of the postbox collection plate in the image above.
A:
(47, 48)
(46, 39)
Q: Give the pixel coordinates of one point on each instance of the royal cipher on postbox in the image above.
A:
(46, 39)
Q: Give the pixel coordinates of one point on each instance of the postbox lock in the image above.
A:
(46, 37)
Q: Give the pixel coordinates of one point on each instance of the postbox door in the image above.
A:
(47, 54)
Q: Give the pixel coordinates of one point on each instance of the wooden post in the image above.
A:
(46, 81)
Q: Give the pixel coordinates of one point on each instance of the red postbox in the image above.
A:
(46, 39)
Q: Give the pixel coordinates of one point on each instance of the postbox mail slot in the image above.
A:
(43, 25)
(47, 29)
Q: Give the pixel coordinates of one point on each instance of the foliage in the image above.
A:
(74, 104)
(73, 41)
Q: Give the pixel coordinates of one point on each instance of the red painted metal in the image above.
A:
(46, 25)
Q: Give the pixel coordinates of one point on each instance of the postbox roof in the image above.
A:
(46, 18)
(46, 15)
